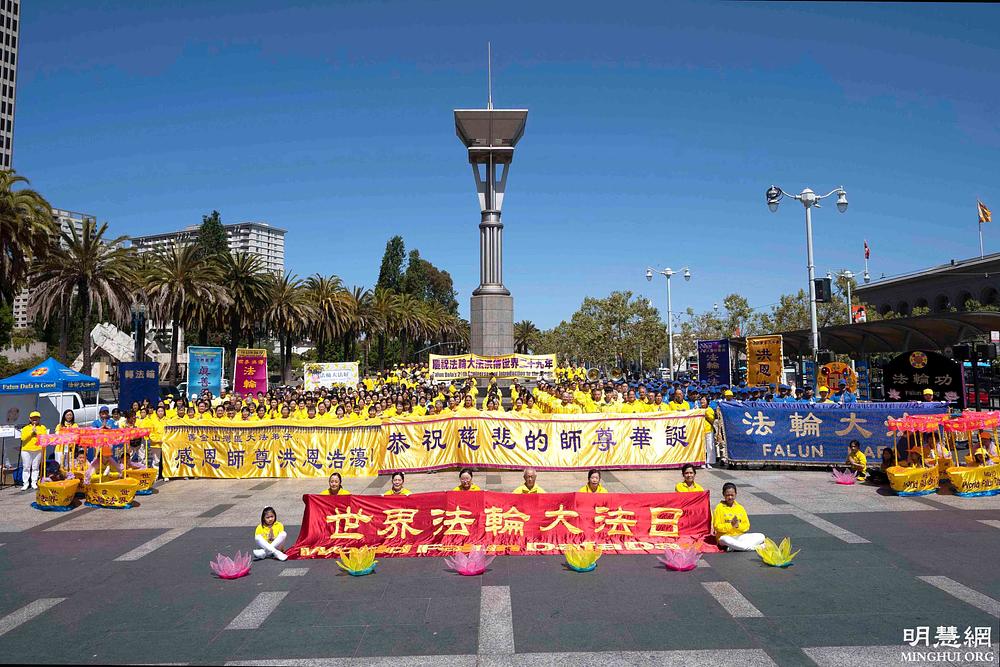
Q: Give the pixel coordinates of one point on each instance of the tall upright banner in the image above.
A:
(250, 371)
(138, 380)
(205, 370)
(316, 375)
(509, 366)
(447, 522)
(713, 362)
(764, 364)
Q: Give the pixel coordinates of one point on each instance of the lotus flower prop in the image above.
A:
(358, 561)
(681, 559)
(776, 555)
(582, 559)
(225, 567)
(470, 564)
(844, 477)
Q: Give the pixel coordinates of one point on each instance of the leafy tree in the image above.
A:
(27, 230)
(289, 314)
(6, 324)
(526, 336)
(427, 282)
(390, 274)
(212, 239)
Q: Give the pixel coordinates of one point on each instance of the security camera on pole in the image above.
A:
(809, 200)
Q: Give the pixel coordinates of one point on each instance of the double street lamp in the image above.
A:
(809, 200)
(850, 275)
(668, 272)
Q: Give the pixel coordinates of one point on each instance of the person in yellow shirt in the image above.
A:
(397, 488)
(677, 402)
(688, 485)
(529, 485)
(270, 535)
(566, 406)
(31, 450)
(593, 484)
(335, 486)
(857, 461)
(465, 481)
(824, 396)
(731, 523)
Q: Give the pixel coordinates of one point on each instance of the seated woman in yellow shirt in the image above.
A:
(397, 488)
(270, 534)
(731, 523)
(529, 485)
(465, 481)
(688, 485)
(593, 484)
(336, 487)
(857, 461)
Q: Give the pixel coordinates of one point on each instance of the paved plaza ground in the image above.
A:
(133, 586)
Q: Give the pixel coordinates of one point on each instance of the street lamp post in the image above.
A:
(809, 200)
(668, 272)
(850, 275)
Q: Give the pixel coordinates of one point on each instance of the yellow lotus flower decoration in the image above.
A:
(358, 561)
(582, 559)
(776, 555)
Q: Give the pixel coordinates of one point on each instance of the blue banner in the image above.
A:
(204, 370)
(811, 432)
(864, 380)
(809, 374)
(138, 380)
(713, 362)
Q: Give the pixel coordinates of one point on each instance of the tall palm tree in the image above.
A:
(356, 302)
(383, 314)
(27, 230)
(328, 296)
(246, 281)
(96, 271)
(182, 287)
(289, 313)
(525, 336)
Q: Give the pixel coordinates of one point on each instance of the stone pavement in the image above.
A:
(133, 586)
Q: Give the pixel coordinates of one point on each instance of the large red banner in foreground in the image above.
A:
(441, 523)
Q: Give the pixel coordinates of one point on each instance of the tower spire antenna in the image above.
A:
(489, 74)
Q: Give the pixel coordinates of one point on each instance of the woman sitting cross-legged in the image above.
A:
(731, 523)
(270, 535)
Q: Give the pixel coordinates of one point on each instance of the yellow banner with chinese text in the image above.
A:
(282, 448)
(508, 366)
(764, 364)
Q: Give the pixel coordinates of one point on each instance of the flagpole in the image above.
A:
(981, 254)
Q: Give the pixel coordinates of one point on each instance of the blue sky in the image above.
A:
(653, 132)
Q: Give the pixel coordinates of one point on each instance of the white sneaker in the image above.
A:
(25, 487)
(281, 556)
(34, 485)
(259, 554)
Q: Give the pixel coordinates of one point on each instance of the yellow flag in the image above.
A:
(984, 213)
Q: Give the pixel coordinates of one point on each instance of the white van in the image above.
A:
(15, 408)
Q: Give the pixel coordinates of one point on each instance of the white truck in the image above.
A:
(15, 408)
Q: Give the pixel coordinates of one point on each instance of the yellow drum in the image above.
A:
(117, 493)
(56, 495)
(913, 481)
(146, 477)
(975, 481)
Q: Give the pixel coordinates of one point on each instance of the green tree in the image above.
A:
(526, 336)
(6, 324)
(390, 274)
(27, 230)
(212, 239)
(427, 282)
(245, 279)
(96, 272)
(329, 298)
(289, 314)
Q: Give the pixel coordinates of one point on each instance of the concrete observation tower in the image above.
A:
(490, 136)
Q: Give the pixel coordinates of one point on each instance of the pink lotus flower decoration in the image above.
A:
(681, 559)
(470, 564)
(844, 477)
(225, 567)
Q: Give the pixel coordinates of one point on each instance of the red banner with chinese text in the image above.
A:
(442, 523)
(250, 371)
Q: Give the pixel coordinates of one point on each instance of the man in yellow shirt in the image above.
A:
(31, 450)
(566, 406)
(529, 485)
(731, 523)
(677, 402)
(857, 460)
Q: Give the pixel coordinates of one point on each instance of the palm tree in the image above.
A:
(328, 296)
(382, 316)
(98, 272)
(183, 287)
(246, 281)
(289, 313)
(27, 230)
(356, 302)
(525, 336)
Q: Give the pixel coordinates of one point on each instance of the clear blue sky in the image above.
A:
(652, 134)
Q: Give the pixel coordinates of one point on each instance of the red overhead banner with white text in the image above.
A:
(442, 523)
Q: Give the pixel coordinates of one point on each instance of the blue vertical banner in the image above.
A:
(864, 380)
(809, 374)
(204, 370)
(138, 381)
(713, 362)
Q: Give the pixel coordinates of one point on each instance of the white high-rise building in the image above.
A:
(255, 238)
(10, 17)
(68, 220)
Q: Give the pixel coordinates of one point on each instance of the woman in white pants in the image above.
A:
(270, 535)
(731, 523)
(31, 451)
